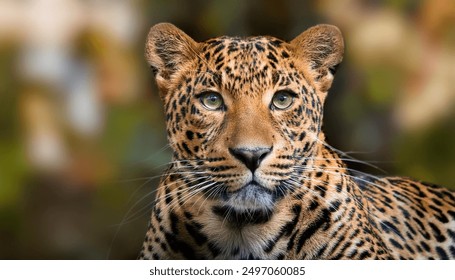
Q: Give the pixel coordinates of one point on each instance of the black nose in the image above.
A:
(252, 158)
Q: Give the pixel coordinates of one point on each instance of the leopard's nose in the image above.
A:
(251, 157)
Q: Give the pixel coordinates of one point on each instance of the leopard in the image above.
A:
(252, 176)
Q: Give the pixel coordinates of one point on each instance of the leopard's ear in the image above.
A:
(322, 48)
(167, 49)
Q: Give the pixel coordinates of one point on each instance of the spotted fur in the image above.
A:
(251, 180)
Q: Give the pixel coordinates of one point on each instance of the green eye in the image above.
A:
(282, 100)
(212, 100)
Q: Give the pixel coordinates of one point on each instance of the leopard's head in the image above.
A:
(243, 113)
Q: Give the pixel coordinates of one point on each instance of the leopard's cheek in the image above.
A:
(193, 137)
(298, 132)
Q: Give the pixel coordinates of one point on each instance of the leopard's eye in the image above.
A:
(212, 100)
(283, 99)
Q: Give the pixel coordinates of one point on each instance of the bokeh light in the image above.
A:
(82, 138)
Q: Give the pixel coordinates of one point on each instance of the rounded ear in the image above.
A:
(322, 47)
(167, 48)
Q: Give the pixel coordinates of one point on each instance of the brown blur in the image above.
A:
(81, 126)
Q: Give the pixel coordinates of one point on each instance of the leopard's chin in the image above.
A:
(251, 204)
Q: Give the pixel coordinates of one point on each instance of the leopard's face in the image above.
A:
(242, 114)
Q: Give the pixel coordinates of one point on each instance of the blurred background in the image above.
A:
(81, 126)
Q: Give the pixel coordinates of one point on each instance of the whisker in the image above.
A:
(344, 174)
(146, 207)
(215, 189)
(158, 176)
(185, 186)
(193, 191)
(343, 154)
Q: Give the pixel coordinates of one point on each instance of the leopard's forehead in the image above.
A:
(243, 64)
(250, 48)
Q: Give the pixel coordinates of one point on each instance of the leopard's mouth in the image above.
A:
(250, 204)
